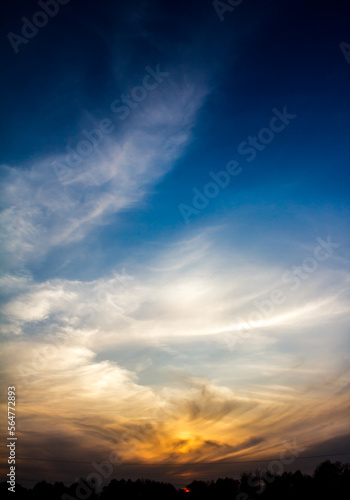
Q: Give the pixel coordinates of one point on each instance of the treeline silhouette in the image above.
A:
(329, 481)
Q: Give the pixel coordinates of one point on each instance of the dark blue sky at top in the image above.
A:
(264, 55)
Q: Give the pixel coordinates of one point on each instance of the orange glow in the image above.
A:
(186, 490)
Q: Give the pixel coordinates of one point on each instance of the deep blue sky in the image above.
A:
(263, 55)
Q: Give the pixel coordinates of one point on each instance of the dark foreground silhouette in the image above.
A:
(329, 481)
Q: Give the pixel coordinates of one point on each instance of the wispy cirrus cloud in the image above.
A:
(40, 213)
(165, 329)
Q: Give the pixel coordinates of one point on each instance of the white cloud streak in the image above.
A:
(41, 214)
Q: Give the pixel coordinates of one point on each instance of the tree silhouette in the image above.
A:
(330, 480)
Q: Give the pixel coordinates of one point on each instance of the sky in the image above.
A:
(175, 235)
